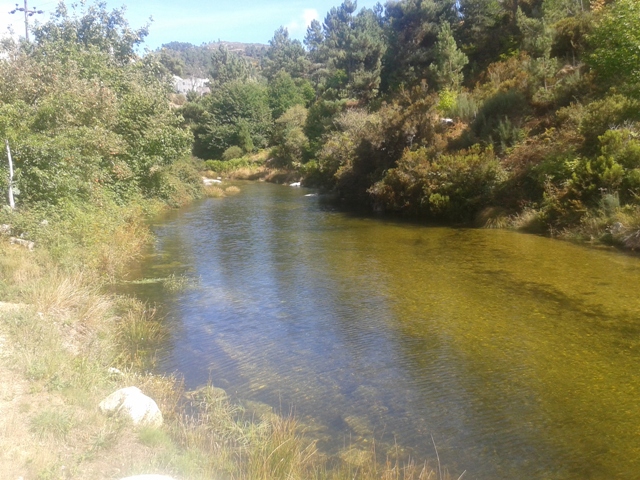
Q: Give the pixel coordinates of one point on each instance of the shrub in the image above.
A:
(612, 112)
(497, 116)
(450, 187)
(232, 153)
(292, 144)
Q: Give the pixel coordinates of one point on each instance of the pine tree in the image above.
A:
(449, 60)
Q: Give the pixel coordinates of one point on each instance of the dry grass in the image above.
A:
(213, 191)
(55, 356)
(232, 190)
(248, 173)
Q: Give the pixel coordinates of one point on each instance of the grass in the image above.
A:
(57, 423)
(68, 336)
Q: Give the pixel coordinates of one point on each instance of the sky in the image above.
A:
(198, 21)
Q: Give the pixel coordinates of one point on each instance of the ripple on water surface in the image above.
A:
(519, 354)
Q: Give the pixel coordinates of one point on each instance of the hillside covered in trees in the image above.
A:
(522, 113)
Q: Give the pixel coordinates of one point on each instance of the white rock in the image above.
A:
(210, 181)
(132, 403)
(148, 477)
(24, 243)
(295, 184)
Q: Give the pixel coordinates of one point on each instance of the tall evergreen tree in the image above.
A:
(412, 28)
(227, 67)
(449, 60)
(285, 54)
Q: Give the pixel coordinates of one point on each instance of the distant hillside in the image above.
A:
(188, 60)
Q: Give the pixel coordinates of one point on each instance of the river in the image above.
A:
(519, 355)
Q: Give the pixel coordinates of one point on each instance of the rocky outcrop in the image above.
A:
(131, 403)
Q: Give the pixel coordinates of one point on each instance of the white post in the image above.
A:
(12, 204)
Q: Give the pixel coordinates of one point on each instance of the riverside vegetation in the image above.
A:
(99, 147)
(521, 114)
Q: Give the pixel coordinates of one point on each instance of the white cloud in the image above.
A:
(309, 15)
(300, 24)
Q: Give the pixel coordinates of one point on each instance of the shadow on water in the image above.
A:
(519, 354)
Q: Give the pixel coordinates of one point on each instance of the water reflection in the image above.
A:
(518, 354)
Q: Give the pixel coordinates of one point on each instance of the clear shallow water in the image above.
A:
(519, 354)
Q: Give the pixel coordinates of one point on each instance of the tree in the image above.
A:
(94, 27)
(285, 93)
(412, 28)
(285, 54)
(238, 114)
(616, 41)
(228, 67)
(449, 60)
(347, 52)
(292, 143)
(485, 32)
(88, 116)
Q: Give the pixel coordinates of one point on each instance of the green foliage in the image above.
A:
(232, 152)
(616, 170)
(446, 101)
(284, 93)
(449, 61)
(185, 59)
(225, 167)
(320, 121)
(237, 113)
(349, 51)
(85, 117)
(284, 55)
(412, 28)
(91, 29)
(616, 57)
(464, 108)
(452, 187)
(609, 112)
(227, 67)
(497, 119)
(537, 36)
(291, 142)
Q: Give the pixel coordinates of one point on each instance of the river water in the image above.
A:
(519, 355)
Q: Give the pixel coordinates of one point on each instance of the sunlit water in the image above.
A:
(520, 355)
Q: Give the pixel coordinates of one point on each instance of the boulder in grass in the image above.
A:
(130, 402)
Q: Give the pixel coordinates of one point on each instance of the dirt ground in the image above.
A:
(95, 447)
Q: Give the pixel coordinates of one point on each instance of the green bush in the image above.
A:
(292, 145)
(453, 187)
(232, 152)
(610, 112)
(498, 117)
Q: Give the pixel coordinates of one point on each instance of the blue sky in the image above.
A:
(199, 21)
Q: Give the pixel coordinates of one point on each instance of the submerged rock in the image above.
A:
(130, 402)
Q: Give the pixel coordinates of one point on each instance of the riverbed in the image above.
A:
(518, 355)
